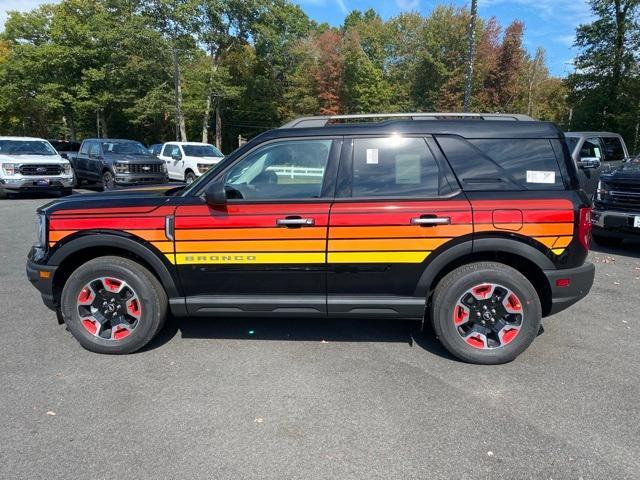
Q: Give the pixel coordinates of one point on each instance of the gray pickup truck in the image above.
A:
(117, 162)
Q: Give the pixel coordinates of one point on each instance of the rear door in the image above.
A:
(265, 251)
(172, 157)
(397, 207)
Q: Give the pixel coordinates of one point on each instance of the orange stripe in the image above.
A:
(534, 229)
(253, 246)
(396, 244)
(448, 231)
(149, 235)
(546, 241)
(57, 235)
(164, 247)
(251, 233)
(562, 242)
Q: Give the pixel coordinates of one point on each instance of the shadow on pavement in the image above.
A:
(629, 248)
(302, 329)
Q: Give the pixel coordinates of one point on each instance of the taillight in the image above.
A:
(584, 227)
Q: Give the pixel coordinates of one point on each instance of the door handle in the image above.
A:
(295, 221)
(430, 221)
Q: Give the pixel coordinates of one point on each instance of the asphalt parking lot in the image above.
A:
(269, 399)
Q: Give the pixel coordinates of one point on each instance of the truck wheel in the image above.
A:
(486, 313)
(77, 182)
(612, 242)
(189, 177)
(108, 182)
(113, 305)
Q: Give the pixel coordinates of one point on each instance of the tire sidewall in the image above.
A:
(105, 185)
(147, 325)
(445, 301)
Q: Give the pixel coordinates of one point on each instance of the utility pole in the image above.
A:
(471, 51)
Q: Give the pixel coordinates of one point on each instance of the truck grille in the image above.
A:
(625, 196)
(40, 170)
(143, 168)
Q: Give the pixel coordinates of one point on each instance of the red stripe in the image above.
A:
(528, 216)
(115, 211)
(115, 223)
(399, 218)
(399, 207)
(231, 221)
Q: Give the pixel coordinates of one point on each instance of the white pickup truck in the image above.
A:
(32, 165)
(186, 161)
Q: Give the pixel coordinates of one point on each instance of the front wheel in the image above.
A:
(189, 178)
(113, 305)
(486, 313)
(108, 182)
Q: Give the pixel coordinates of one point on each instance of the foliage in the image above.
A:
(155, 70)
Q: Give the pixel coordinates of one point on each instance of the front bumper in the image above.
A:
(612, 223)
(41, 277)
(124, 179)
(35, 184)
(578, 282)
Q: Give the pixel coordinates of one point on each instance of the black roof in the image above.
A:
(465, 128)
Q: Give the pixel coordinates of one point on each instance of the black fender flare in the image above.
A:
(480, 245)
(167, 277)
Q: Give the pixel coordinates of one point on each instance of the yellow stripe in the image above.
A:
(222, 258)
(547, 241)
(171, 257)
(558, 251)
(253, 246)
(377, 257)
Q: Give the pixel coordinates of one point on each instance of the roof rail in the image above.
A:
(322, 121)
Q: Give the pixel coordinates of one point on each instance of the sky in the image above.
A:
(549, 23)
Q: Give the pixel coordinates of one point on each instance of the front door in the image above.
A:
(172, 156)
(590, 164)
(399, 210)
(265, 251)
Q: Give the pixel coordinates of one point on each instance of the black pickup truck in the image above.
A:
(616, 211)
(117, 162)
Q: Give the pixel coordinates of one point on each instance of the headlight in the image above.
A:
(41, 227)
(66, 168)
(10, 168)
(121, 167)
(163, 167)
(601, 191)
(203, 167)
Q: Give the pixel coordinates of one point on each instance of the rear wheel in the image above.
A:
(486, 313)
(108, 181)
(607, 241)
(113, 305)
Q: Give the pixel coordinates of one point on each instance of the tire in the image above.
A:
(84, 321)
(491, 285)
(77, 182)
(108, 181)
(612, 242)
(189, 177)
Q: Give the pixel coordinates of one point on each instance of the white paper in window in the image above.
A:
(372, 156)
(541, 176)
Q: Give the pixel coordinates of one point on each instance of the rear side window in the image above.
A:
(396, 167)
(504, 164)
(94, 148)
(84, 149)
(614, 149)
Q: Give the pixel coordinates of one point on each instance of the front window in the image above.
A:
(124, 148)
(591, 148)
(614, 149)
(26, 147)
(201, 151)
(292, 169)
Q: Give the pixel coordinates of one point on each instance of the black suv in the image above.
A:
(117, 162)
(476, 225)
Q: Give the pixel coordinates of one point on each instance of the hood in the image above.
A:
(150, 197)
(206, 160)
(33, 159)
(127, 158)
(628, 172)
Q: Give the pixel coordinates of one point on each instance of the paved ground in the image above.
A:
(298, 399)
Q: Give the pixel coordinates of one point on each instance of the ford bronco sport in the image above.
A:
(475, 223)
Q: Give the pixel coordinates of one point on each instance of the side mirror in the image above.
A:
(65, 156)
(176, 156)
(587, 163)
(215, 193)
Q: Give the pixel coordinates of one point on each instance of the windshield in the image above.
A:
(124, 148)
(26, 147)
(572, 142)
(201, 151)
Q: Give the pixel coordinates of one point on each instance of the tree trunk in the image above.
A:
(205, 120)
(177, 87)
(618, 50)
(537, 61)
(218, 125)
(471, 51)
(72, 127)
(101, 124)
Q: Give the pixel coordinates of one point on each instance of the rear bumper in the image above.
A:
(41, 277)
(611, 223)
(580, 281)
